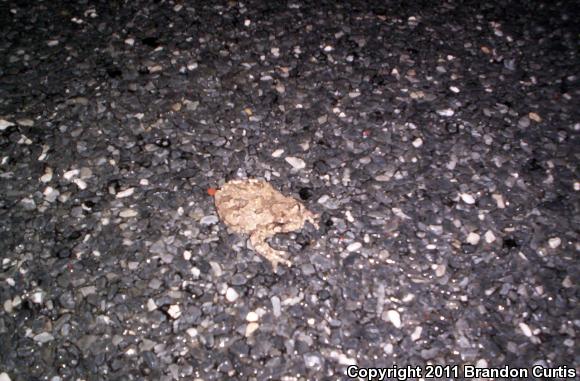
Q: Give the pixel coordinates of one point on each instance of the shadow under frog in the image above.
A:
(255, 208)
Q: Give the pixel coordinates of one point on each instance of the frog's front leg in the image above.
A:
(258, 240)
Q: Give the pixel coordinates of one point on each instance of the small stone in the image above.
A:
(473, 238)
(526, 329)
(481, 363)
(43, 337)
(195, 272)
(192, 332)
(187, 255)
(524, 122)
(128, 213)
(322, 119)
(130, 41)
(251, 328)
(52, 43)
(37, 297)
(278, 152)
(446, 112)
(174, 311)
(354, 246)
(4, 124)
(28, 203)
(467, 198)
(125, 193)
(50, 194)
(4, 377)
(416, 335)
(296, 162)
(440, 270)
(209, 220)
(80, 183)
(567, 282)
(455, 89)
(395, 318)
(151, 306)
(26, 122)
(535, 117)
(47, 175)
(155, 68)
(312, 360)
(276, 306)
(499, 201)
(68, 175)
(554, 242)
(8, 307)
(252, 316)
(417, 142)
(231, 295)
(489, 236)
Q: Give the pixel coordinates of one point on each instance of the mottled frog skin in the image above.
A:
(255, 208)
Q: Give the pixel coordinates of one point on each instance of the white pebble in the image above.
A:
(567, 282)
(554, 242)
(489, 236)
(192, 332)
(8, 306)
(130, 41)
(440, 270)
(276, 306)
(354, 246)
(37, 297)
(446, 112)
(467, 198)
(80, 183)
(151, 306)
(499, 201)
(481, 363)
(125, 193)
(43, 337)
(473, 238)
(4, 377)
(251, 328)
(231, 295)
(296, 162)
(278, 152)
(4, 124)
(395, 318)
(455, 89)
(526, 329)
(68, 175)
(47, 175)
(252, 316)
(417, 142)
(416, 335)
(128, 213)
(187, 255)
(174, 311)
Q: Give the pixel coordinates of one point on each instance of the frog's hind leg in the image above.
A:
(274, 256)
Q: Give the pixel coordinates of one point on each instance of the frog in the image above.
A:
(253, 207)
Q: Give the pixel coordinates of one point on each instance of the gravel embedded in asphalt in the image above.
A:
(437, 142)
